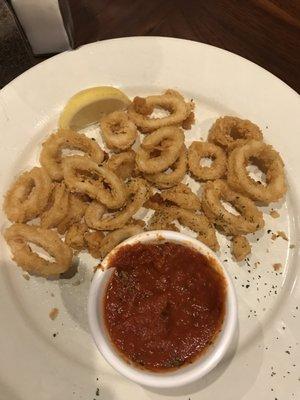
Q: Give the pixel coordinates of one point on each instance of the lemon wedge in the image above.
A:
(87, 106)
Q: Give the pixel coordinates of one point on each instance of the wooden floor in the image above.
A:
(266, 32)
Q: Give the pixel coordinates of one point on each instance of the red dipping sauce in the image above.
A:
(165, 304)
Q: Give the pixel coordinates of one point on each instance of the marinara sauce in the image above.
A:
(164, 305)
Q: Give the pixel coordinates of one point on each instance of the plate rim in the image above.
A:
(143, 38)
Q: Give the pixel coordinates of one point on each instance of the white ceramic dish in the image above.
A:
(185, 375)
(44, 359)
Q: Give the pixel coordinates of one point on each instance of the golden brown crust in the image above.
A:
(75, 236)
(200, 150)
(171, 101)
(51, 157)
(231, 132)
(240, 248)
(249, 219)
(19, 237)
(28, 196)
(93, 240)
(272, 165)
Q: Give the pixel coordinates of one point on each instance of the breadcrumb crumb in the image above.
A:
(279, 234)
(277, 266)
(240, 247)
(53, 313)
(274, 214)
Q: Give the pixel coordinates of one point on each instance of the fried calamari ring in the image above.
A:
(249, 220)
(161, 220)
(139, 192)
(94, 212)
(82, 175)
(198, 223)
(231, 132)
(57, 207)
(167, 179)
(118, 236)
(240, 248)
(122, 164)
(76, 211)
(201, 225)
(182, 196)
(171, 101)
(118, 131)
(270, 163)
(93, 242)
(167, 142)
(200, 150)
(18, 237)
(75, 236)
(52, 151)
(80, 238)
(28, 196)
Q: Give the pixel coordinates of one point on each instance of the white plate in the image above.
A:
(263, 363)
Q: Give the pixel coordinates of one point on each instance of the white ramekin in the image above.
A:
(186, 374)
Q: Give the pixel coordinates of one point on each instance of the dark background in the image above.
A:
(266, 32)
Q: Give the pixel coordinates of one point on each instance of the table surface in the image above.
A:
(266, 32)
